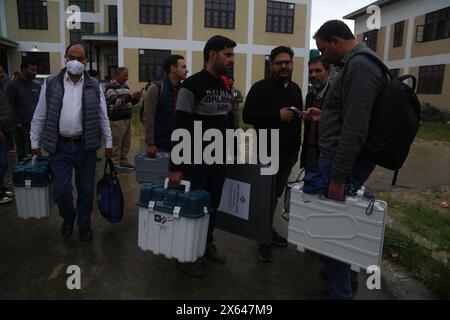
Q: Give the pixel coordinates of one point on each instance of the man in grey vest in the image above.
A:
(69, 116)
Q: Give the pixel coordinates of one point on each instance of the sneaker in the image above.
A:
(264, 253)
(7, 192)
(127, 165)
(194, 270)
(279, 240)
(4, 199)
(211, 253)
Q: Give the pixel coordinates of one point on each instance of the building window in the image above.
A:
(280, 17)
(155, 11)
(112, 13)
(87, 28)
(437, 25)
(398, 34)
(371, 39)
(112, 62)
(150, 64)
(220, 14)
(431, 79)
(85, 5)
(395, 73)
(42, 60)
(32, 14)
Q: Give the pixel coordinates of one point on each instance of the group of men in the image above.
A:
(71, 112)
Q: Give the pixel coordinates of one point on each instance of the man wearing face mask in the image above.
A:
(268, 106)
(319, 75)
(69, 117)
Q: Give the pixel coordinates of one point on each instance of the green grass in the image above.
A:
(136, 121)
(418, 261)
(434, 131)
(424, 221)
(428, 223)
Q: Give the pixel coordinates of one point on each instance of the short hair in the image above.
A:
(26, 63)
(93, 73)
(171, 60)
(76, 44)
(217, 43)
(281, 49)
(334, 28)
(320, 59)
(121, 69)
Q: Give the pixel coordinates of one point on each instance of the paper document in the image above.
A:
(235, 198)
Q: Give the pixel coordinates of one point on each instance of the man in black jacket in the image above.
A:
(268, 107)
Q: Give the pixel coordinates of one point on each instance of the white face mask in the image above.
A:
(75, 67)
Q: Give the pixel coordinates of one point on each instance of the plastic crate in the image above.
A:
(173, 222)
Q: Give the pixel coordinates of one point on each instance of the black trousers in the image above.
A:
(23, 145)
(281, 178)
(210, 178)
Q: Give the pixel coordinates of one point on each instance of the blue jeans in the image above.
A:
(339, 274)
(68, 157)
(4, 151)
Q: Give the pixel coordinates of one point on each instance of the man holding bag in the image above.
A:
(69, 117)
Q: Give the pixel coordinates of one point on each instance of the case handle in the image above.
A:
(185, 183)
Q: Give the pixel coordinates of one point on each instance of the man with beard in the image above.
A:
(23, 96)
(268, 107)
(319, 75)
(344, 125)
(204, 98)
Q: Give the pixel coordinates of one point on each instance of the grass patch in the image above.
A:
(434, 131)
(136, 120)
(418, 261)
(424, 221)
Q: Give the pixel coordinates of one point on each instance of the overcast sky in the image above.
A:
(324, 10)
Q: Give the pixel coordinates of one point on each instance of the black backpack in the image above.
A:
(394, 123)
(159, 85)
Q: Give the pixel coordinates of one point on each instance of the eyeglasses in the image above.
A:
(281, 62)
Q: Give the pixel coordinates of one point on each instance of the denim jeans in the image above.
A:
(339, 274)
(68, 157)
(4, 151)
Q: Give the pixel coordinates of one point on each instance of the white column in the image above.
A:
(307, 47)
(251, 25)
(120, 42)
(189, 33)
(62, 32)
(3, 18)
(409, 43)
(387, 42)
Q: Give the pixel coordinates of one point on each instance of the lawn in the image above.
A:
(418, 261)
(434, 131)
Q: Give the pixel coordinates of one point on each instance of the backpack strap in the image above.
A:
(374, 59)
